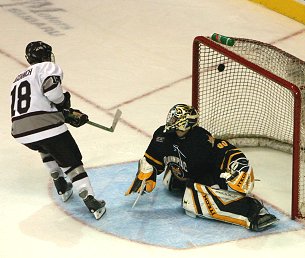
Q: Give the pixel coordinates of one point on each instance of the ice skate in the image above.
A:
(68, 193)
(262, 222)
(96, 207)
(64, 188)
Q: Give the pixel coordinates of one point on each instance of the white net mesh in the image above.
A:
(246, 106)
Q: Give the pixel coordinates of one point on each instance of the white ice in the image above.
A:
(136, 56)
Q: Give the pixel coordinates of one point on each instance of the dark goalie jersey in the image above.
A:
(200, 156)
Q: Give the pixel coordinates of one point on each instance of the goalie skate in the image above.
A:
(262, 222)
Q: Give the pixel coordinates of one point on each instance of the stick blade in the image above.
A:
(116, 119)
(114, 122)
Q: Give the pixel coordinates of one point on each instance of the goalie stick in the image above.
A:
(142, 187)
(114, 122)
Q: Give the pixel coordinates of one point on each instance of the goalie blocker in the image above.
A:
(146, 174)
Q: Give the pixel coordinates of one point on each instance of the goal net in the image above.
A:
(252, 94)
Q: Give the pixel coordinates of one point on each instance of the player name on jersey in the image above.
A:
(24, 74)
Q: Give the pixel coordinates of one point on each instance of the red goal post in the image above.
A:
(252, 94)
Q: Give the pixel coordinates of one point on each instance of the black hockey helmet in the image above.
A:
(38, 51)
(181, 117)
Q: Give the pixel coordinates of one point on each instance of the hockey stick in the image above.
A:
(142, 187)
(114, 122)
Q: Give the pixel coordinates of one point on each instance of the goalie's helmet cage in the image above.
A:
(38, 51)
(252, 94)
(181, 117)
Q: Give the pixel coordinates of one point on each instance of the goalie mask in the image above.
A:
(181, 117)
(38, 52)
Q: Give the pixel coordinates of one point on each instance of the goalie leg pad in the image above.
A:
(171, 182)
(167, 178)
(206, 202)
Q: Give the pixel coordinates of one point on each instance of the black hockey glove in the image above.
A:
(66, 104)
(75, 117)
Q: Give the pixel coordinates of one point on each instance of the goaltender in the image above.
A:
(215, 176)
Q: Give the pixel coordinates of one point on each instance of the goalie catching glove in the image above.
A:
(147, 174)
(239, 176)
(75, 117)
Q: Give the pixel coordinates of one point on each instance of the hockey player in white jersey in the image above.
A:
(39, 110)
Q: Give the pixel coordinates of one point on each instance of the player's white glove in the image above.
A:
(147, 174)
(239, 176)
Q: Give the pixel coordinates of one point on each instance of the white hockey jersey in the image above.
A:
(34, 94)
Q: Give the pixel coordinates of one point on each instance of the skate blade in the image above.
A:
(267, 224)
(66, 196)
(99, 213)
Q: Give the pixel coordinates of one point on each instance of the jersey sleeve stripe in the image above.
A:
(153, 159)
